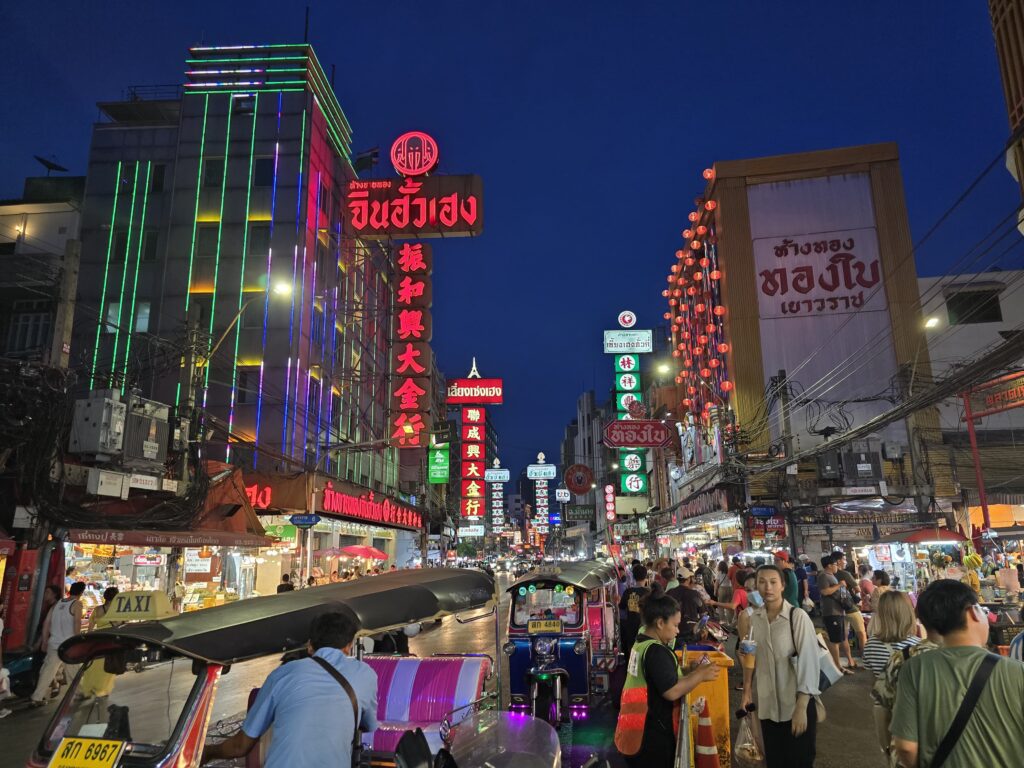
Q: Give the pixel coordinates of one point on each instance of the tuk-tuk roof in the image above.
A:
(261, 626)
(585, 574)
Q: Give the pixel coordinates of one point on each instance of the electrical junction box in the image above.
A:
(829, 466)
(892, 451)
(97, 427)
(861, 465)
(102, 482)
(147, 434)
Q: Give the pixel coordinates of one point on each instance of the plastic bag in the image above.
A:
(745, 751)
(808, 604)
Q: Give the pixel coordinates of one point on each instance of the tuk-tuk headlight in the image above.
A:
(580, 647)
(508, 648)
(544, 645)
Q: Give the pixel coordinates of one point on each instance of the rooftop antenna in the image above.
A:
(49, 165)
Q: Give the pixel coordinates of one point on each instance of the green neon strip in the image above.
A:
(106, 272)
(124, 273)
(220, 233)
(135, 282)
(246, 58)
(246, 90)
(284, 82)
(245, 250)
(195, 224)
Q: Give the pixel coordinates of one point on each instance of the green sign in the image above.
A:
(437, 466)
(633, 461)
(624, 399)
(627, 382)
(633, 482)
(627, 364)
(282, 531)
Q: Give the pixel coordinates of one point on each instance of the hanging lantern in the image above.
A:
(705, 373)
(681, 280)
(714, 362)
(680, 347)
(708, 174)
(672, 303)
(680, 253)
(671, 278)
(691, 291)
(693, 216)
(702, 339)
(679, 379)
(697, 351)
(710, 205)
(684, 308)
(665, 293)
(686, 334)
(707, 406)
(689, 262)
(723, 348)
(715, 274)
(676, 353)
(726, 386)
(698, 276)
(689, 362)
(677, 293)
(702, 230)
(719, 310)
(700, 307)
(686, 402)
(710, 327)
(667, 315)
(691, 390)
(695, 245)
(675, 268)
(687, 234)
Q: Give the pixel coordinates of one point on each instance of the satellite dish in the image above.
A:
(49, 165)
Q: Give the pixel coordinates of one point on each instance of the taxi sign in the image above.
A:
(139, 606)
(536, 626)
(74, 752)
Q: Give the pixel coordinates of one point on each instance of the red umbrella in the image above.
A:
(922, 535)
(368, 553)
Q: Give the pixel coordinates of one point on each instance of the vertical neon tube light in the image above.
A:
(241, 283)
(220, 235)
(270, 258)
(312, 315)
(291, 320)
(106, 272)
(135, 281)
(124, 272)
(195, 224)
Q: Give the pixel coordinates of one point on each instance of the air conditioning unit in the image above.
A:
(862, 465)
(146, 434)
(98, 424)
(829, 467)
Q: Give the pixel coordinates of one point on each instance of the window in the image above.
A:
(7, 249)
(213, 172)
(263, 172)
(206, 242)
(259, 240)
(30, 327)
(142, 317)
(150, 239)
(113, 310)
(243, 396)
(156, 178)
(121, 238)
(243, 105)
(978, 306)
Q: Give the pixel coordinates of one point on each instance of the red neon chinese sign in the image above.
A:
(411, 356)
(474, 454)
(414, 154)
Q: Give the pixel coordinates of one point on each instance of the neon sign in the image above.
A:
(431, 206)
(414, 154)
(411, 355)
(475, 391)
(367, 508)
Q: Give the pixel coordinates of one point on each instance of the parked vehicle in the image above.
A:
(563, 639)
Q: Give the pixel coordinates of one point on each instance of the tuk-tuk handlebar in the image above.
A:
(471, 619)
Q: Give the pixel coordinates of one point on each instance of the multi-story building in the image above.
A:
(214, 212)
(39, 258)
(1008, 29)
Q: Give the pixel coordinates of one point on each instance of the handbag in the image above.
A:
(360, 755)
(963, 714)
(828, 674)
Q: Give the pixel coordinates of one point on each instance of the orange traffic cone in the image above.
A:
(704, 749)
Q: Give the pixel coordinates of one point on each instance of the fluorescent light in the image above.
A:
(282, 289)
(931, 322)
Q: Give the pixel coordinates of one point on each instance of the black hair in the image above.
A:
(882, 577)
(826, 561)
(332, 630)
(76, 589)
(736, 559)
(54, 590)
(723, 566)
(285, 578)
(770, 567)
(109, 594)
(666, 574)
(864, 569)
(658, 606)
(942, 604)
(639, 573)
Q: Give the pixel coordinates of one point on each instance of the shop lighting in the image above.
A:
(931, 322)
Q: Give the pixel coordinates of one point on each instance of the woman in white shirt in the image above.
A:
(893, 626)
(784, 680)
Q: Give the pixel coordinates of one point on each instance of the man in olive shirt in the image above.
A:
(853, 616)
(932, 685)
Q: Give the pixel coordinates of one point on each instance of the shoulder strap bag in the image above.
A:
(963, 714)
(828, 673)
(360, 756)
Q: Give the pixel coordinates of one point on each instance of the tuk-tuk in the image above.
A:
(185, 657)
(563, 639)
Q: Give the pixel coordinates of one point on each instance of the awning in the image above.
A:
(1001, 515)
(198, 538)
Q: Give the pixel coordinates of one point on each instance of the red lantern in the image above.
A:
(715, 274)
(710, 327)
(695, 245)
(676, 353)
(691, 390)
(684, 308)
(691, 291)
(670, 278)
(689, 362)
(680, 347)
(719, 310)
(677, 293)
(672, 303)
(667, 315)
(702, 230)
(679, 379)
(681, 280)
(704, 262)
(675, 268)
(702, 339)
(714, 362)
(686, 334)
(707, 406)
(697, 351)
(689, 262)
(686, 402)
(665, 293)
(710, 205)
(700, 307)
(687, 234)
(727, 386)
(723, 348)
(708, 174)
(693, 216)
(698, 276)
(680, 253)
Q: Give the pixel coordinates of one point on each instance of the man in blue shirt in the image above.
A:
(310, 711)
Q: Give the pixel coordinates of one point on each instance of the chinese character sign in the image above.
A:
(497, 502)
(474, 465)
(411, 355)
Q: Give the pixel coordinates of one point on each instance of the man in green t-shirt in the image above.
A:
(932, 685)
(790, 586)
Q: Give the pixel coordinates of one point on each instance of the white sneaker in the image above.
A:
(4, 713)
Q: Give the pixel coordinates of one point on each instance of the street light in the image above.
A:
(931, 322)
(664, 368)
(280, 289)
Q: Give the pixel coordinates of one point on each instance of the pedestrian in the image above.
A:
(852, 607)
(740, 596)
(736, 566)
(296, 695)
(691, 605)
(866, 585)
(62, 622)
(812, 585)
(791, 592)
(286, 584)
(893, 629)
(178, 596)
(311, 581)
(800, 571)
(833, 614)
(645, 733)
(723, 590)
(5, 678)
(669, 577)
(943, 685)
(880, 580)
(783, 680)
(96, 681)
(629, 607)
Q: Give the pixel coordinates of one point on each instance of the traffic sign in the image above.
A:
(304, 521)
(637, 433)
(579, 478)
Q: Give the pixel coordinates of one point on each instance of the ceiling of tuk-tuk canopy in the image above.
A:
(262, 626)
(586, 574)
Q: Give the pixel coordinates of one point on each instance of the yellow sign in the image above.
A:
(73, 752)
(139, 606)
(544, 625)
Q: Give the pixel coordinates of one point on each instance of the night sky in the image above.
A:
(590, 123)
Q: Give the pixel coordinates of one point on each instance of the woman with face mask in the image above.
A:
(783, 678)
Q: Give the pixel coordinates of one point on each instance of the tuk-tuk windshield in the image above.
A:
(547, 600)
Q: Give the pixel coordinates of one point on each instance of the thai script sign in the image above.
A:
(579, 513)
(617, 342)
(430, 206)
(637, 433)
(475, 391)
(1002, 394)
(366, 507)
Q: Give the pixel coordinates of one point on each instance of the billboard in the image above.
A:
(475, 391)
(623, 341)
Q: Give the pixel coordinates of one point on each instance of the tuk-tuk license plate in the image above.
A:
(73, 752)
(537, 626)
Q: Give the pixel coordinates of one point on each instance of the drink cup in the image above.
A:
(748, 650)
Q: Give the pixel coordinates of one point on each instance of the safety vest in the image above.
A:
(629, 730)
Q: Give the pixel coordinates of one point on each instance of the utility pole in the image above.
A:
(64, 314)
(782, 384)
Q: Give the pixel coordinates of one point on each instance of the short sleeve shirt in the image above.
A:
(311, 713)
(661, 673)
(829, 604)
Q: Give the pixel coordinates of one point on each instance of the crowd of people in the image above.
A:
(940, 697)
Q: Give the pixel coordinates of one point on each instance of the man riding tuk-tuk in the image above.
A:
(563, 639)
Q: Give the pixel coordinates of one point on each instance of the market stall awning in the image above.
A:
(1001, 515)
(924, 535)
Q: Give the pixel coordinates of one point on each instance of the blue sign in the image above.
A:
(554, 518)
(763, 511)
(304, 521)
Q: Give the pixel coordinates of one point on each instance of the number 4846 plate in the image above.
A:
(74, 752)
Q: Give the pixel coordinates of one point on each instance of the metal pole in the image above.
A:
(982, 496)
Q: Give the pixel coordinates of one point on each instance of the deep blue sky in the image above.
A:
(589, 121)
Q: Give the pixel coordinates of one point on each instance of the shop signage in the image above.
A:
(270, 491)
(627, 319)
(709, 502)
(471, 531)
(472, 507)
(627, 364)
(284, 532)
(411, 356)
(368, 508)
(541, 472)
(414, 154)
(627, 382)
(579, 513)
(562, 495)
(497, 475)
(432, 206)
(632, 461)
(761, 528)
(637, 433)
(437, 466)
(625, 401)
(579, 478)
(998, 395)
(554, 518)
(763, 511)
(196, 564)
(167, 538)
(860, 490)
(149, 561)
(488, 391)
(618, 342)
(633, 483)
(305, 521)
